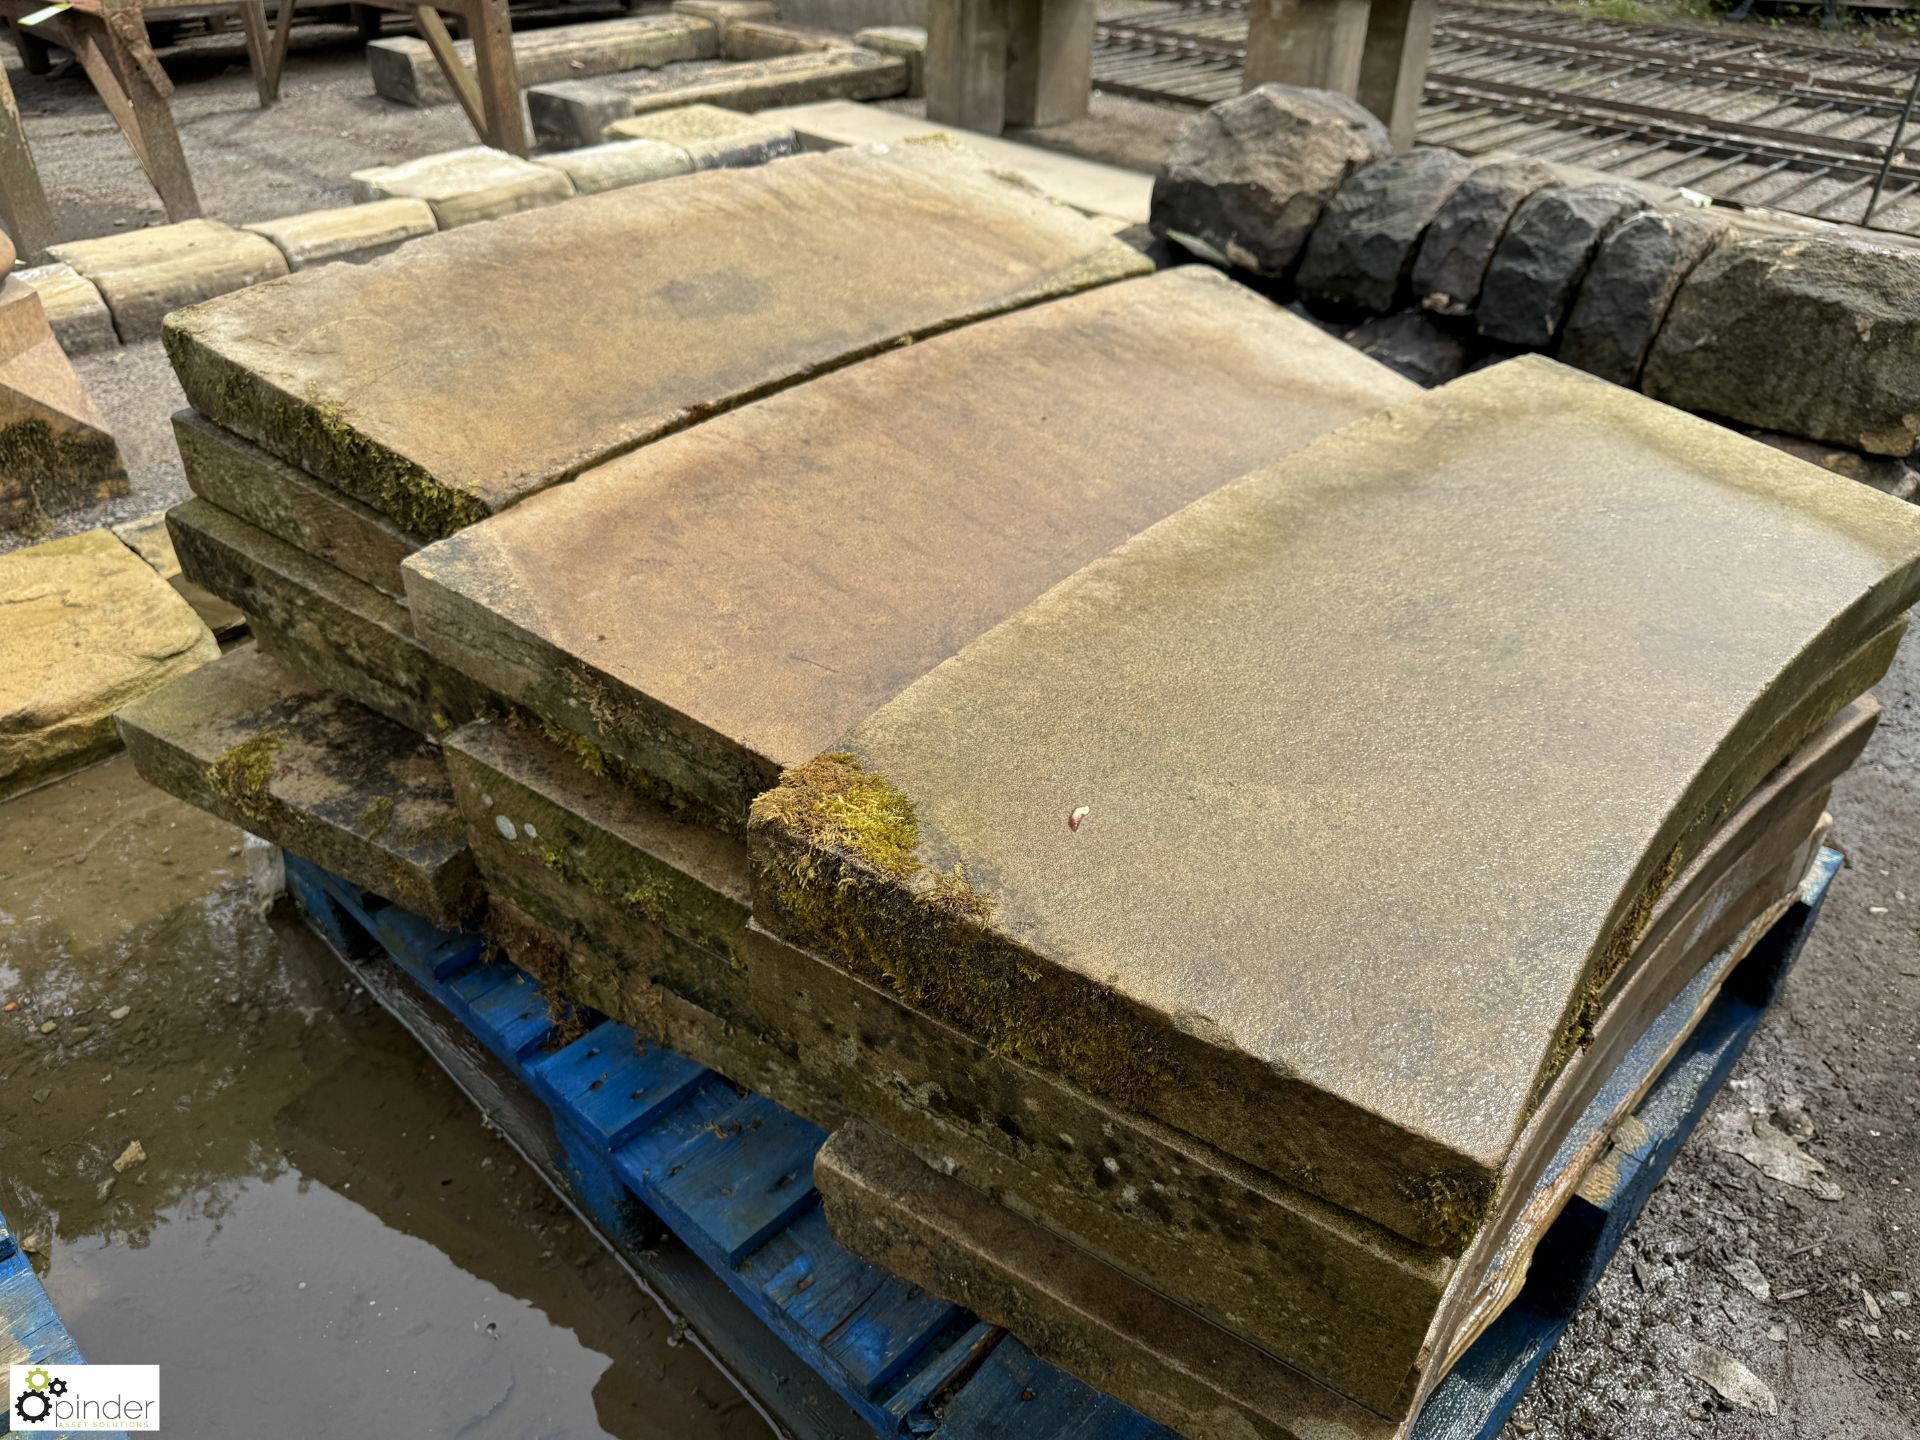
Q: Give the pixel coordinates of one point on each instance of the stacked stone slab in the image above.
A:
(757, 66)
(1245, 930)
(345, 416)
(1126, 759)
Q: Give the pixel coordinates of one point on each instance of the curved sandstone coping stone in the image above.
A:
(251, 741)
(1386, 754)
(726, 602)
(338, 630)
(1729, 899)
(467, 370)
(326, 523)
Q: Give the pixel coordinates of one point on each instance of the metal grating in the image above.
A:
(1733, 113)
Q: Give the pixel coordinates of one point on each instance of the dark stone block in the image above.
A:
(1247, 182)
(1459, 244)
(1633, 279)
(1361, 256)
(1541, 259)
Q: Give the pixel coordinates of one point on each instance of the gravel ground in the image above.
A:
(1837, 1065)
(1837, 1062)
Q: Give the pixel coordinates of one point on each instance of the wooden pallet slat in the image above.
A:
(743, 1180)
(613, 1084)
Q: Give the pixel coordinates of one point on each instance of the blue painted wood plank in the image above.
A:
(613, 1084)
(740, 1180)
(869, 1322)
(808, 1274)
(306, 883)
(29, 1321)
(888, 1332)
(1013, 1396)
(911, 1404)
(422, 949)
(656, 1150)
(464, 991)
(514, 1016)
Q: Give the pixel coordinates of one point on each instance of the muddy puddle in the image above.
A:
(322, 1238)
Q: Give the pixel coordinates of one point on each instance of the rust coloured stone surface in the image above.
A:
(1289, 713)
(438, 397)
(727, 601)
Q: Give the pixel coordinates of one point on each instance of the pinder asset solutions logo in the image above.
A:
(47, 1398)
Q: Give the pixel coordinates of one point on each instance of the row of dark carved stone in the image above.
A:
(1815, 335)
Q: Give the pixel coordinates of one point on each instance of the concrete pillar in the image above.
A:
(1306, 42)
(1393, 67)
(967, 63)
(1049, 60)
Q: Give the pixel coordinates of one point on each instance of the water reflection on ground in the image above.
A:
(322, 1238)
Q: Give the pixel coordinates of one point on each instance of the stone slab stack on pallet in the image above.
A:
(345, 416)
(1203, 812)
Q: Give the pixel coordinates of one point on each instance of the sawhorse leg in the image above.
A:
(492, 35)
(136, 90)
(23, 200)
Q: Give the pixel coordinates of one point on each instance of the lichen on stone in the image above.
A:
(376, 816)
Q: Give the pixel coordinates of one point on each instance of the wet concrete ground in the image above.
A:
(323, 1238)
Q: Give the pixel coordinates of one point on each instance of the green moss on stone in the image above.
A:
(43, 471)
(311, 431)
(839, 846)
(242, 774)
(591, 757)
(1452, 1204)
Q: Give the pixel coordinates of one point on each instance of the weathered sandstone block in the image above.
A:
(251, 741)
(750, 285)
(784, 569)
(89, 628)
(145, 274)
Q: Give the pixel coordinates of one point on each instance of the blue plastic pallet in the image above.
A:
(30, 1330)
(731, 1175)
